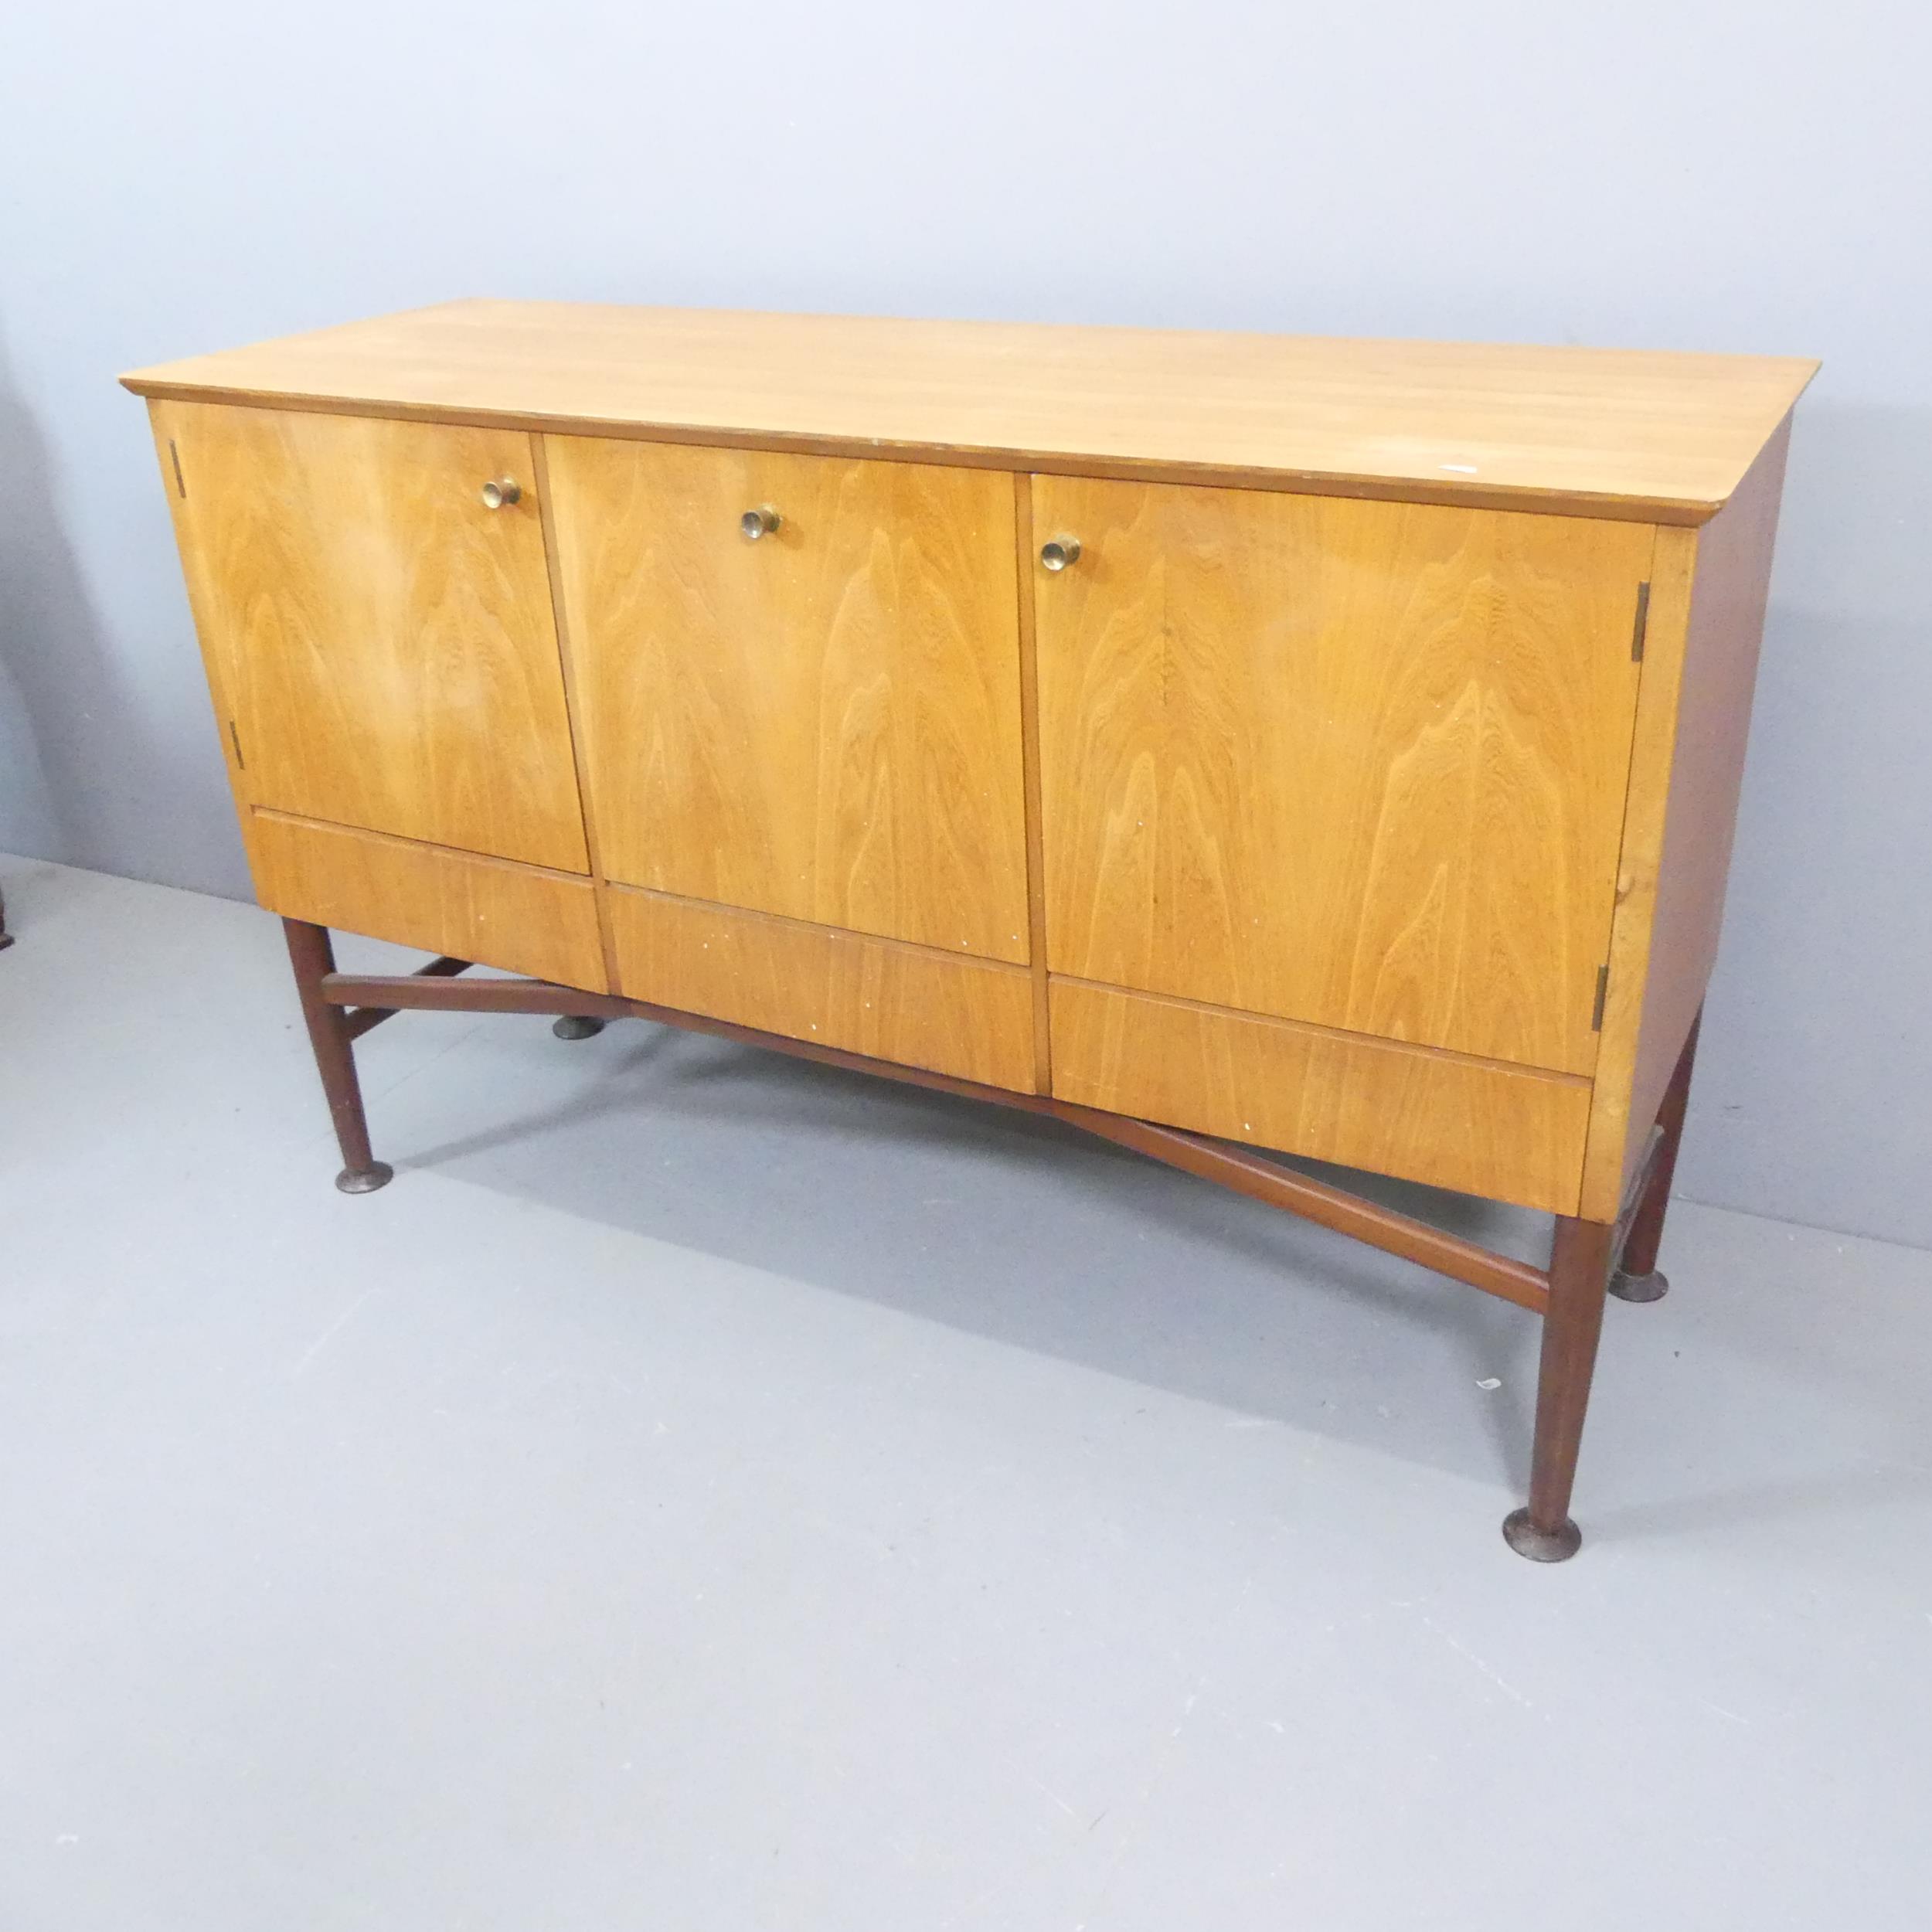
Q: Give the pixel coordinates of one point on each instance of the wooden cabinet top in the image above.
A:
(1620, 432)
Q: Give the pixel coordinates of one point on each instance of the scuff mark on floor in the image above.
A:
(333, 1329)
(1463, 1649)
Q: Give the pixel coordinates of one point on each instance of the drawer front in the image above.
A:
(485, 910)
(1357, 763)
(821, 722)
(381, 642)
(919, 1007)
(1480, 1127)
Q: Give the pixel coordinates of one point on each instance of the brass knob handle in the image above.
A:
(1061, 553)
(500, 491)
(761, 521)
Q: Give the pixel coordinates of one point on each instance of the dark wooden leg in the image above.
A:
(1637, 1277)
(576, 1026)
(312, 955)
(6, 937)
(1579, 1276)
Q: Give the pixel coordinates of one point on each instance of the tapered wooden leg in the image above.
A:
(1579, 1276)
(1637, 1277)
(312, 955)
(6, 937)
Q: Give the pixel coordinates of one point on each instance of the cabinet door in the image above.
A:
(1357, 763)
(822, 721)
(383, 640)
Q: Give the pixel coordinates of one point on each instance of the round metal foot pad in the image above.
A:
(1540, 1545)
(577, 1026)
(1652, 1287)
(365, 1180)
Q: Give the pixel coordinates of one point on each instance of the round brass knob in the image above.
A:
(1062, 552)
(500, 491)
(758, 522)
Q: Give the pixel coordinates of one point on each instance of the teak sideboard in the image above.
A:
(1219, 742)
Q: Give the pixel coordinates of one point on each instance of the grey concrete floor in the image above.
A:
(705, 1492)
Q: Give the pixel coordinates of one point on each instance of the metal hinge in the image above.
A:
(234, 738)
(181, 482)
(1603, 993)
(1641, 625)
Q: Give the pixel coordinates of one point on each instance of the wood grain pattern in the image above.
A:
(823, 724)
(1650, 436)
(889, 1001)
(1687, 767)
(485, 910)
(1476, 1126)
(385, 642)
(1360, 764)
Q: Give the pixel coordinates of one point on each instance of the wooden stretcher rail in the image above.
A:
(359, 1021)
(1252, 1174)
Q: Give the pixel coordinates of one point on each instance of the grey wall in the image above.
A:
(1742, 175)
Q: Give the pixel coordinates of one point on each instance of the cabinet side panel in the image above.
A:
(1687, 765)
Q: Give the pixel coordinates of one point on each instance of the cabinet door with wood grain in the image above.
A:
(380, 638)
(798, 680)
(1356, 763)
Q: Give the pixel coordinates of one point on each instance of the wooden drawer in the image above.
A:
(822, 722)
(486, 910)
(892, 1002)
(1357, 763)
(1480, 1127)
